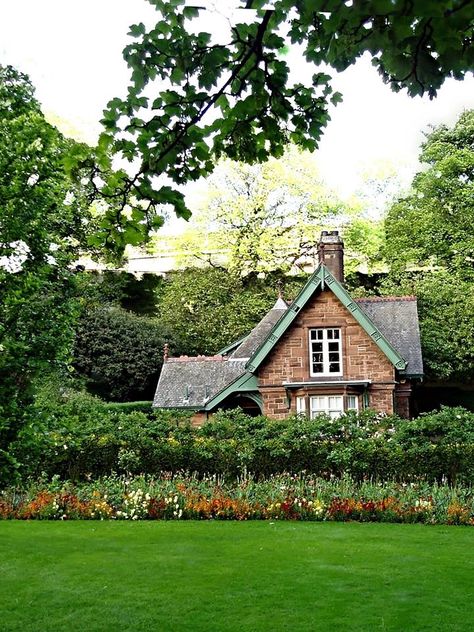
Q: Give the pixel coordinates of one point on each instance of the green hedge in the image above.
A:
(83, 438)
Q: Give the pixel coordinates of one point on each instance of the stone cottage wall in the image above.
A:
(289, 360)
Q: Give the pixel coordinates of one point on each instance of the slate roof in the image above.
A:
(191, 382)
(260, 331)
(397, 319)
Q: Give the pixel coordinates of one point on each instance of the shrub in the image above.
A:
(82, 437)
(119, 353)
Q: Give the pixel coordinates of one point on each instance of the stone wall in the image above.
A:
(289, 360)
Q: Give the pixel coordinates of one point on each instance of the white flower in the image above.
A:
(69, 199)
(84, 180)
(32, 180)
(50, 260)
(20, 247)
(99, 183)
(53, 247)
(12, 264)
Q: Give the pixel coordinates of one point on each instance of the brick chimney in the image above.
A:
(331, 253)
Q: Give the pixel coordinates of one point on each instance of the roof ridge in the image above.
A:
(381, 299)
(199, 358)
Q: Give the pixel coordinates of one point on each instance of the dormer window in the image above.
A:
(325, 353)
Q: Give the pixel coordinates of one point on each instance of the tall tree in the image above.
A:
(429, 246)
(44, 221)
(433, 225)
(263, 217)
(193, 98)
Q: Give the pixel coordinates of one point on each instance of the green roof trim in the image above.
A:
(247, 382)
(322, 279)
(232, 346)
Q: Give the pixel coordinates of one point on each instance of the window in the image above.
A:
(332, 405)
(325, 356)
(352, 403)
(301, 405)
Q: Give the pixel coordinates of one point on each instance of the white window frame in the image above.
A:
(352, 403)
(325, 404)
(301, 405)
(325, 345)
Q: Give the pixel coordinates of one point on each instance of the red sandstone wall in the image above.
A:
(198, 419)
(289, 360)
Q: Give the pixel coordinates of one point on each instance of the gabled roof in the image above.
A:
(202, 383)
(192, 382)
(260, 332)
(322, 279)
(397, 319)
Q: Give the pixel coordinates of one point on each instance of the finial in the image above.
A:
(280, 288)
(166, 352)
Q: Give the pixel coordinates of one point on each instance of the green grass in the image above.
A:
(219, 576)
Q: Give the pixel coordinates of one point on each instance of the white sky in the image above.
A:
(72, 51)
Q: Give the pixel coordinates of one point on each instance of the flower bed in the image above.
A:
(282, 497)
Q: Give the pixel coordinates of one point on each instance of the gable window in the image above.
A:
(332, 405)
(325, 356)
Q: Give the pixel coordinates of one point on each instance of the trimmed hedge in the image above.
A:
(83, 438)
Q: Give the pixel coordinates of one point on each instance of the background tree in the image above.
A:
(433, 225)
(207, 309)
(193, 98)
(263, 217)
(429, 247)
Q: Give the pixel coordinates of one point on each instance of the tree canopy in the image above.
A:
(194, 97)
(433, 225)
(429, 245)
(118, 353)
(262, 217)
(44, 221)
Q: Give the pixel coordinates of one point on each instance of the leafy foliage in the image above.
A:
(193, 98)
(206, 309)
(430, 233)
(260, 218)
(80, 437)
(119, 288)
(446, 307)
(119, 353)
(44, 222)
(433, 224)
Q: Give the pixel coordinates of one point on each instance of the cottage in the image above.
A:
(324, 353)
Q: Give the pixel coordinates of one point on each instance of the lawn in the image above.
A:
(245, 576)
